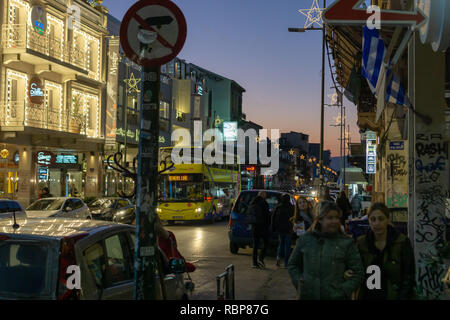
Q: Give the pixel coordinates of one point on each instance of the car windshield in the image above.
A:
(245, 199)
(102, 203)
(46, 204)
(23, 269)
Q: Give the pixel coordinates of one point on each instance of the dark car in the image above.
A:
(38, 257)
(240, 233)
(113, 209)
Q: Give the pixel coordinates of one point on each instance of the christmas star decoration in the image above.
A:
(334, 98)
(132, 83)
(276, 145)
(291, 152)
(302, 157)
(313, 15)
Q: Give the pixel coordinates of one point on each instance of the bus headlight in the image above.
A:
(158, 210)
(198, 210)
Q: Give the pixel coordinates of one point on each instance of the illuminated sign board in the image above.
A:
(230, 131)
(36, 91)
(66, 159)
(43, 173)
(39, 19)
(250, 168)
(16, 157)
(371, 156)
(45, 158)
(199, 89)
(179, 178)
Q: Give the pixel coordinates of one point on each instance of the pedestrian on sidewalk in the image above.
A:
(259, 208)
(303, 217)
(392, 252)
(322, 258)
(282, 217)
(344, 205)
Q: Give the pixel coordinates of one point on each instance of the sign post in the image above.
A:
(152, 34)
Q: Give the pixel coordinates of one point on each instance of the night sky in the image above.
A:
(248, 41)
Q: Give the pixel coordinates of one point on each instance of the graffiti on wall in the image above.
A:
(397, 174)
(430, 164)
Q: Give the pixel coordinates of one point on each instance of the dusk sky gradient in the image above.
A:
(248, 41)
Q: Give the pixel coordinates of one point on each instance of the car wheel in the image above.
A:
(234, 248)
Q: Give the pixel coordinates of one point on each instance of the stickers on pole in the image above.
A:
(153, 32)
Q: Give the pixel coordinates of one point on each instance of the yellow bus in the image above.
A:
(189, 192)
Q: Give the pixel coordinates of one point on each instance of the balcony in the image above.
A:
(21, 38)
(16, 115)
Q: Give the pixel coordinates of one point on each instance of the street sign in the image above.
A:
(153, 32)
(371, 155)
(350, 12)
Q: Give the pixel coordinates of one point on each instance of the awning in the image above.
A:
(353, 176)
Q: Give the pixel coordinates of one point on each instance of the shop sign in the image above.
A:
(66, 159)
(250, 168)
(4, 153)
(230, 131)
(39, 19)
(45, 158)
(198, 89)
(396, 145)
(43, 173)
(36, 91)
(371, 155)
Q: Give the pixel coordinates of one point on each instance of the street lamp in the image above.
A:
(322, 109)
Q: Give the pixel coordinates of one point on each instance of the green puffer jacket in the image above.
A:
(318, 263)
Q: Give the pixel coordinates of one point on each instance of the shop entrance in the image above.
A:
(8, 183)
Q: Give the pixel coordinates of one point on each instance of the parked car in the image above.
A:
(9, 207)
(113, 209)
(240, 233)
(63, 207)
(34, 261)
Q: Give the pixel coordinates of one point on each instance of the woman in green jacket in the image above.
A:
(324, 258)
(391, 251)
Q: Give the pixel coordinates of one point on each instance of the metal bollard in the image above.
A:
(226, 291)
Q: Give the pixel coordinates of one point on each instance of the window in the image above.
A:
(76, 204)
(119, 260)
(122, 204)
(95, 260)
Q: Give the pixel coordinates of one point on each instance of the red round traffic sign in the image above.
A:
(153, 32)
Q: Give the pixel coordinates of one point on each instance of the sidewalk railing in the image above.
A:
(225, 284)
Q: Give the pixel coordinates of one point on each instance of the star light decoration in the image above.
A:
(313, 15)
(291, 152)
(339, 120)
(132, 83)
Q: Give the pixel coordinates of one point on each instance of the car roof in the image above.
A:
(56, 227)
(274, 191)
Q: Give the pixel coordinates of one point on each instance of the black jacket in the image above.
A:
(260, 209)
(281, 218)
(396, 263)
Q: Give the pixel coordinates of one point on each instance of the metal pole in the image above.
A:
(146, 249)
(126, 128)
(322, 108)
(344, 137)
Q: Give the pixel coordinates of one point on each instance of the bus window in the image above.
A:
(181, 189)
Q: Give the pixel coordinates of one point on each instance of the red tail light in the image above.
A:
(67, 258)
(3, 237)
(231, 223)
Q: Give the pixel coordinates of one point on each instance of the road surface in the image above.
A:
(207, 246)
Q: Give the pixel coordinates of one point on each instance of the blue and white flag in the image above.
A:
(374, 70)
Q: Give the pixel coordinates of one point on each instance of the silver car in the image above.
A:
(63, 207)
(36, 261)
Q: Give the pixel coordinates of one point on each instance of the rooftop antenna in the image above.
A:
(15, 225)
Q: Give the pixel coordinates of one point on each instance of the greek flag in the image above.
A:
(374, 70)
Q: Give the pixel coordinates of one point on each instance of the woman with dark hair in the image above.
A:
(322, 258)
(282, 224)
(303, 216)
(391, 251)
(344, 204)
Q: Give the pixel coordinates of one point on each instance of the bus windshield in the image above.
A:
(181, 188)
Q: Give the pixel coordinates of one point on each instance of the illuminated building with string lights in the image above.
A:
(52, 84)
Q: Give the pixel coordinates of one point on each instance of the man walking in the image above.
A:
(260, 228)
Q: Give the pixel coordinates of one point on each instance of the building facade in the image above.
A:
(52, 84)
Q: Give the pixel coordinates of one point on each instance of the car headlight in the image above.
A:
(198, 210)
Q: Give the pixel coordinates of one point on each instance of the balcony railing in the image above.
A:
(25, 114)
(22, 36)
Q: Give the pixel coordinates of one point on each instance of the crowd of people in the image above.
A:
(326, 263)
